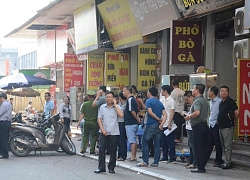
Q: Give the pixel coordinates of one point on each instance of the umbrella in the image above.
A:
(23, 92)
(22, 80)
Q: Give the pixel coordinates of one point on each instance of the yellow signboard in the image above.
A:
(117, 69)
(95, 72)
(120, 24)
(146, 66)
(86, 38)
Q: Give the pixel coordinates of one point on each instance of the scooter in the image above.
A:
(50, 136)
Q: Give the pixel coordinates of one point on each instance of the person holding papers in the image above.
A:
(167, 141)
(189, 99)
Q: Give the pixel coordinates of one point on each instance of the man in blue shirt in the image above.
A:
(49, 106)
(156, 118)
(214, 137)
(131, 120)
(5, 120)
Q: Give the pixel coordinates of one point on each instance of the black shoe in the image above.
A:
(226, 166)
(95, 153)
(82, 152)
(151, 155)
(217, 165)
(198, 171)
(3, 157)
(99, 171)
(111, 171)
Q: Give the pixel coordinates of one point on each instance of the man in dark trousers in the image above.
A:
(5, 122)
(228, 115)
(214, 136)
(198, 119)
(109, 128)
(178, 95)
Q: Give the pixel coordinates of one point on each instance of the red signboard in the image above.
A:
(73, 72)
(186, 42)
(243, 96)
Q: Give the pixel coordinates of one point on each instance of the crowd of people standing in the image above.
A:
(115, 121)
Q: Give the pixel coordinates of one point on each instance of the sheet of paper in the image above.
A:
(167, 132)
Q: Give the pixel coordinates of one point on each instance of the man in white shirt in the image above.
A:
(189, 99)
(167, 142)
(214, 136)
(178, 95)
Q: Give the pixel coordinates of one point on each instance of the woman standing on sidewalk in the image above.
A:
(122, 138)
(65, 114)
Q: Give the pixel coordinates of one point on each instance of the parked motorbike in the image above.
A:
(50, 136)
(30, 120)
(17, 118)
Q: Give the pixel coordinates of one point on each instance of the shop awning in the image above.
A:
(57, 13)
(57, 65)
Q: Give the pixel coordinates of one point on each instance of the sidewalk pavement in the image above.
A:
(169, 171)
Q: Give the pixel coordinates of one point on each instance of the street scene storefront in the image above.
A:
(144, 43)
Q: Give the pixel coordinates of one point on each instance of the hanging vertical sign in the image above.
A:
(117, 69)
(73, 72)
(243, 96)
(95, 72)
(146, 66)
(186, 43)
(158, 67)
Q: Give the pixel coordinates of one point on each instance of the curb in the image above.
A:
(125, 166)
(131, 168)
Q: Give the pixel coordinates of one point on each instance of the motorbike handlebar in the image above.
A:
(46, 121)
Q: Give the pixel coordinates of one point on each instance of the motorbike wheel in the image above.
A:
(68, 147)
(17, 148)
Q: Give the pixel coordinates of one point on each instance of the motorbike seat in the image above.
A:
(38, 128)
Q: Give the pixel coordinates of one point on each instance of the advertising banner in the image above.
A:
(41, 73)
(146, 66)
(120, 24)
(152, 16)
(86, 38)
(194, 8)
(73, 72)
(243, 96)
(95, 72)
(117, 69)
(186, 43)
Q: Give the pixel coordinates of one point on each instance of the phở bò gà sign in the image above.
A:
(186, 43)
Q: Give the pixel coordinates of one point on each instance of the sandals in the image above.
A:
(191, 167)
(142, 164)
(120, 159)
(131, 160)
(95, 153)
